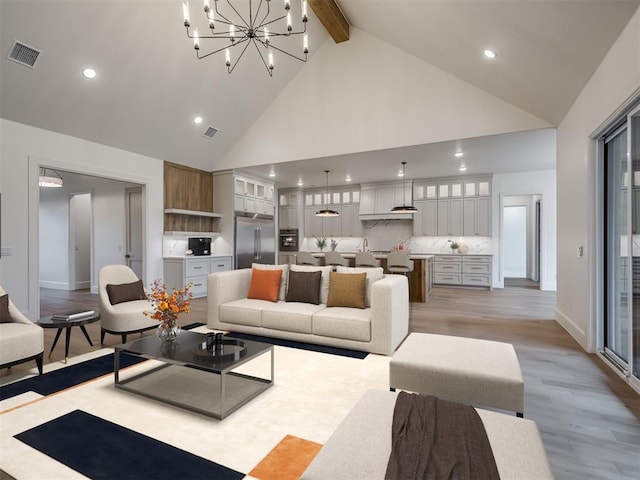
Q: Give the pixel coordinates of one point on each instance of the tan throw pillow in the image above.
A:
(125, 292)
(373, 275)
(324, 284)
(5, 316)
(304, 287)
(347, 290)
(283, 279)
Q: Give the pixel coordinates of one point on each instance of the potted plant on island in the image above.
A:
(321, 243)
(454, 246)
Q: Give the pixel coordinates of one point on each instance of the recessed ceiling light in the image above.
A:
(197, 120)
(458, 154)
(348, 179)
(89, 73)
(401, 173)
(272, 174)
(300, 183)
(463, 168)
(490, 53)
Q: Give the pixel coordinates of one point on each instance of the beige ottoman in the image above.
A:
(464, 370)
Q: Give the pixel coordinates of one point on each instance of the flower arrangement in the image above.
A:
(167, 307)
(453, 244)
(321, 242)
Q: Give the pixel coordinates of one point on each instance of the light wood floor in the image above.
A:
(589, 418)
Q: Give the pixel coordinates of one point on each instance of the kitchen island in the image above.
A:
(420, 280)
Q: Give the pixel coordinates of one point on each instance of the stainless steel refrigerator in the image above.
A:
(255, 241)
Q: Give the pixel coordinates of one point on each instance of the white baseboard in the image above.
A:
(54, 285)
(573, 329)
(82, 285)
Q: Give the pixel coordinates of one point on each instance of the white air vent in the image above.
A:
(210, 132)
(24, 54)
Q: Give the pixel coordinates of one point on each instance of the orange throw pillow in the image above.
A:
(265, 284)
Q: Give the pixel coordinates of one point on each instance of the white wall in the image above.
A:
(615, 81)
(22, 150)
(53, 238)
(365, 95)
(541, 182)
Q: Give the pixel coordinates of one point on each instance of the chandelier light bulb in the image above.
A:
(196, 39)
(270, 60)
(185, 13)
(207, 6)
(305, 12)
(227, 57)
(266, 36)
(305, 44)
(287, 5)
(289, 22)
(232, 33)
(210, 16)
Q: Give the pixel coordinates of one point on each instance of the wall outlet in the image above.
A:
(5, 251)
(580, 251)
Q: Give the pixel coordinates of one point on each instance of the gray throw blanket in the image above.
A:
(433, 439)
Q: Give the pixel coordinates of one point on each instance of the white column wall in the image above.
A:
(614, 82)
(22, 149)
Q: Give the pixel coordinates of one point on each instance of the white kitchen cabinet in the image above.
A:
(450, 217)
(178, 272)
(350, 219)
(312, 223)
(288, 217)
(465, 270)
(425, 220)
(367, 201)
(253, 196)
(477, 216)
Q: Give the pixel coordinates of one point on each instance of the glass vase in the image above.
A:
(168, 333)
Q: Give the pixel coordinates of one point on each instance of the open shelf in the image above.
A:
(193, 213)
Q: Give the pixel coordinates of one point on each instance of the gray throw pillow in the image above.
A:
(5, 316)
(125, 292)
(304, 287)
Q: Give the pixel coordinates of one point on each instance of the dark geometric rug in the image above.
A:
(66, 377)
(100, 449)
(302, 346)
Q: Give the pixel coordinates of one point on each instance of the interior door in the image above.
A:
(134, 230)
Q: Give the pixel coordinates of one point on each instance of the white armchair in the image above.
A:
(21, 340)
(126, 317)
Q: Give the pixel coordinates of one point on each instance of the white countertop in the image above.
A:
(375, 254)
(213, 255)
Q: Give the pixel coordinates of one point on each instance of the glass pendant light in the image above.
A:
(326, 211)
(404, 208)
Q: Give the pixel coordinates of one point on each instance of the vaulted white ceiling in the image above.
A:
(150, 86)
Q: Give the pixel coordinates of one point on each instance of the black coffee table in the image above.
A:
(185, 374)
(61, 324)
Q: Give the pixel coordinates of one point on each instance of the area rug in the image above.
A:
(344, 352)
(100, 449)
(63, 378)
(288, 460)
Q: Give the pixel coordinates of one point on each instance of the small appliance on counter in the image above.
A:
(200, 246)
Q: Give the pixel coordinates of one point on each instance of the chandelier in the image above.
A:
(259, 28)
(49, 178)
(325, 211)
(404, 208)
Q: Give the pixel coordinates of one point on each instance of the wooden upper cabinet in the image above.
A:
(187, 188)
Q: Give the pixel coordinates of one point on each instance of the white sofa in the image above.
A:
(378, 329)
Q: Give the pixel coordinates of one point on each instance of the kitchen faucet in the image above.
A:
(365, 245)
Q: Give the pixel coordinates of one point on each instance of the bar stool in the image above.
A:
(366, 259)
(305, 258)
(399, 262)
(334, 259)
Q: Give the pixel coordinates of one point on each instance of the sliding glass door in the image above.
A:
(616, 247)
(621, 339)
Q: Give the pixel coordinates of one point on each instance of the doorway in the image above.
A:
(521, 237)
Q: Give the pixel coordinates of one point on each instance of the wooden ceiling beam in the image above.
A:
(332, 18)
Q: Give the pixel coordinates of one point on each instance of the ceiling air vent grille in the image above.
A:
(210, 132)
(24, 54)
